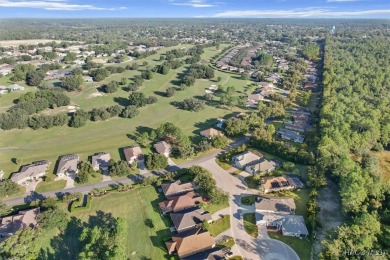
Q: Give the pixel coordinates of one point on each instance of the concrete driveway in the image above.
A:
(248, 247)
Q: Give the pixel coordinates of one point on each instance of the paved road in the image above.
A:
(107, 183)
(248, 247)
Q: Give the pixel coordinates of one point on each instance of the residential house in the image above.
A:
(245, 160)
(298, 125)
(209, 133)
(189, 219)
(56, 74)
(253, 100)
(215, 253)
(176, 188)
(6, 69)
(67, 165)
(87, 78)
(264, 166)
(30, 172)
(163, 148)
(290, 135)
(11, 224)
(100, 161)
(3, 91)
(189, 243)
(265, 84)
(275, 205)
(290, 225)
(278, 183)
(133, 154)
(15, 87)
(177, 203)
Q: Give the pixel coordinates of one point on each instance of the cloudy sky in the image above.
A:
(197, 8)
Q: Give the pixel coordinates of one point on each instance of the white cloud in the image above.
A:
(302, 13)
(62, 5)
(192, 3)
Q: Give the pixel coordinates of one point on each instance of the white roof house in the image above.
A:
(30, 172)
(100, 161)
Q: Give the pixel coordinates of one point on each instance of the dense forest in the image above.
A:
(355, 122)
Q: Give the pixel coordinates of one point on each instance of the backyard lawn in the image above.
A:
(301, 246)
(220, 225)
(250, 224)
(139, 208)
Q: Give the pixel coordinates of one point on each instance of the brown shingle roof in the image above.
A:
(274, 204)
(211, 132)
(191, 242)
(162, 147)
(180, 202)
(133, 152)
(176, 187)
(189, 218)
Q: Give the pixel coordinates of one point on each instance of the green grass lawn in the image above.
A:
(220, 225)
(212, 207)
(229, 242)
(91, 179)
(50, 186)
(248, 200)
(250, 224)
(108, 136)
(136, 206)
(301, 246)
(252, 184)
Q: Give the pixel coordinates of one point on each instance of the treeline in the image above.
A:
(355, 122)
(30, 103)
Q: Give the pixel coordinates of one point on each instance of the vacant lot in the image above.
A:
(136, 206)
(31, 145)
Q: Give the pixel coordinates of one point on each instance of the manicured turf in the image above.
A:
(220, 225)
(31, 145)
(250, 224)
(301, 246)
(49, 186)
(136, 206)
(212, 208)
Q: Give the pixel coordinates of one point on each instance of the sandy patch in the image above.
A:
(96, 94)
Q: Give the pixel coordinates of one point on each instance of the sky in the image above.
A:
(195, 8)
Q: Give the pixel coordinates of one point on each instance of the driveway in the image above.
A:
(248, 247)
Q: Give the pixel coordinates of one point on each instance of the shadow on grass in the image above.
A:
(122, 101)
(66, 245)
(160, 93)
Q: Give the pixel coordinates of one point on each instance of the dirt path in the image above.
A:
(330, 214)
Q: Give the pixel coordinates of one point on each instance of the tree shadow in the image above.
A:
(66, 245)
(205, 125)
(122, 101)
(179, 78)
(160, 93)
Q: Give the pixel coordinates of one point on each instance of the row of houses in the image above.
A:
(182, 204)
(68, 164)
